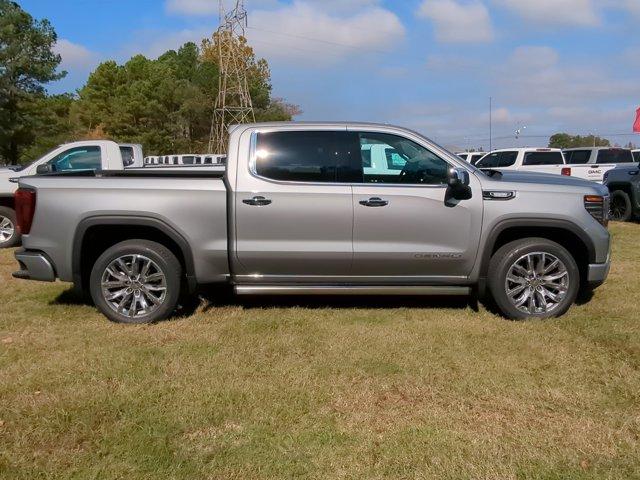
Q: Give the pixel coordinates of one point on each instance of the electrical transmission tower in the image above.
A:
(233, 104)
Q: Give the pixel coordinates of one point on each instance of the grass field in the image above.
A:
(323, 389)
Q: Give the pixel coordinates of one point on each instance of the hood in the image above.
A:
(533, 178)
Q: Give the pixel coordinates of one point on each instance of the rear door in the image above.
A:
(294, 214)
(405, 229)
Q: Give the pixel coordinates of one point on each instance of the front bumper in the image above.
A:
(34, 266)
(598, 273)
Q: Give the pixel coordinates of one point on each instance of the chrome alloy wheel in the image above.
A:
(133, 285)
(7, 229)
(537, 283)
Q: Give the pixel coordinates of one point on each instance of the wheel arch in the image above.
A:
(563, 232)
(7, 201)
(95, 234)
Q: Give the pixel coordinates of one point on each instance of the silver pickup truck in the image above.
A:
(299, 211)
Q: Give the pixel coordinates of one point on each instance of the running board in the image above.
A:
(349, 290)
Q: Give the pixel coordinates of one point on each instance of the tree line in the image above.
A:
(166, 104)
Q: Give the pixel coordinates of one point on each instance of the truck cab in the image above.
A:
(70, 157)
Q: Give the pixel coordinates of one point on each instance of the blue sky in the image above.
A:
(431, 65)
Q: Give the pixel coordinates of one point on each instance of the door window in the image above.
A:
(79, 158)
(395, 159)
(498, 160)
(543, 158)
(307, 156)
(577, 157)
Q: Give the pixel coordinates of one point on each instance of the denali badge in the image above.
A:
(438, 256)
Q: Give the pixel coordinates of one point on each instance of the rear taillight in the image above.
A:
(598, 208)
(25, 201)
(566, 171)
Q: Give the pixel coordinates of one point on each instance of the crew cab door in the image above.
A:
(293, 214)
(405, 229)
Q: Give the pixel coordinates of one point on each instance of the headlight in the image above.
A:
(598, 208)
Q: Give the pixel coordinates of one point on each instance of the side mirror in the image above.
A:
(458, 182)
(44, 169)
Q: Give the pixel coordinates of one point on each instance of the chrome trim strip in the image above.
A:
(348, 290)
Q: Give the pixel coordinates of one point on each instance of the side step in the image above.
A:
(349, 290)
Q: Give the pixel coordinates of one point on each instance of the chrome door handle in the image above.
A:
(374, 202)
(257, 201)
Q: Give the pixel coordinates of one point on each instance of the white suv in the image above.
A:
(543, 160)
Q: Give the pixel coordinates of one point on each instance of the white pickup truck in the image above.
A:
(539, 160)
(75, 156)
(591, 163)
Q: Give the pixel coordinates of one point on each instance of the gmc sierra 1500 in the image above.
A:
(299, 211)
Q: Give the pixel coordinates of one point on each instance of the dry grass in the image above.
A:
(329, 389)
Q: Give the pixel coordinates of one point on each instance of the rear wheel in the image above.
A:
(533, 278)
(9, 236)
(620, 209)
(136, 281)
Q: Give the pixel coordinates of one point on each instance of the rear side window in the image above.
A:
(543, 158)
(498, 160)
(577, 157)
(127, 156)
(636, 156)
(308, 156)
(475, 158)
(614, 155)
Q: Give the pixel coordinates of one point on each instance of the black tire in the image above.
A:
(9, 215)
(163, 262)
(502, 263)
(620, 208)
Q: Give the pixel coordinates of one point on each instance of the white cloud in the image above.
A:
(535, 77)
(564, 12)
(153, 43)
(192, 7)
(304, 32)
(74, 56)
(458, 22)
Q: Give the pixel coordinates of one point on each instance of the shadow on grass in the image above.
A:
(217, 297)
(72, 297)
(224, 297)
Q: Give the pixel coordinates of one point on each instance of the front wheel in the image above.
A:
(136, 281)
(620, 207)
(533, 278)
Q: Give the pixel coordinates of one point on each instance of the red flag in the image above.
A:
(636, 126)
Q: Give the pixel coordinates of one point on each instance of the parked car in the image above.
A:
(624, 184)
(591, 163)
(540, 160)
(76, 156)
(636, 155)
(471, 157)
(296, 212)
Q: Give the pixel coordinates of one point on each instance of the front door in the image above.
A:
(405, 230)
(294, 219)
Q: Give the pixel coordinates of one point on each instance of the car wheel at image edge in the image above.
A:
(620, 207)
(533, 278)
(9, 236)
(136, 281)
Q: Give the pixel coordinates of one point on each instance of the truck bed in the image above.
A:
(191, 205)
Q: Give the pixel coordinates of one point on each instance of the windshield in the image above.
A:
(614, 155)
